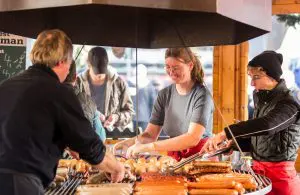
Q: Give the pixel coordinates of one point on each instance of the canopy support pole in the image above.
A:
(230, 84)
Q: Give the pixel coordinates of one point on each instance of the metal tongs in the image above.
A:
(172, 168)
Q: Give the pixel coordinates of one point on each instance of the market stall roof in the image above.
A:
(140, 23)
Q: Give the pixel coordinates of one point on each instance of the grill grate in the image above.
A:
(264, 183)
(68, 187)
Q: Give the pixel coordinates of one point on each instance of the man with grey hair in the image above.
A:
(40, 117)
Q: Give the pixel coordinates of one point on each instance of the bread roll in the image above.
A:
(130, 166)
(141, 160)
(152, 159)
(73, 164)
(167, 160)
(64, 163)
(129, 161)
(139, 169)
(152, 168)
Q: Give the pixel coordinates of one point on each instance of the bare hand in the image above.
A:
(212, 144)
(118, 174)
(74, 154)
(102, 117)
(123, 146)
(111, 120)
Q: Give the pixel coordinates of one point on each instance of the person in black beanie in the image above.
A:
(273, 135)
(271, 63)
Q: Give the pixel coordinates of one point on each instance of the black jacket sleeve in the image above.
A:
(244, 143)
(282, 116)
(77, 131)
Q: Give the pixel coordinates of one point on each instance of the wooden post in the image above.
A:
(230, 84)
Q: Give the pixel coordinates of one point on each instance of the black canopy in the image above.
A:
(140, 23)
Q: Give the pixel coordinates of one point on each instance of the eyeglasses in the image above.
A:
(173, 69)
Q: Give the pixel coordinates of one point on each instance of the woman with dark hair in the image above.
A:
(183, 110)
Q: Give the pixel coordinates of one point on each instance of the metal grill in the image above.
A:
(264, 184)
(68, 187)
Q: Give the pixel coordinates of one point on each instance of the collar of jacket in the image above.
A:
(268, 95)
(110, 75)
(46, 69)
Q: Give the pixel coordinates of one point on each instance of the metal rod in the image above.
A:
(79, 52)
(187, 160)
(68, 187)
(136, 71)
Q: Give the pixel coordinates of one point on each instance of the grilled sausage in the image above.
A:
(212, 184)
(214, 191)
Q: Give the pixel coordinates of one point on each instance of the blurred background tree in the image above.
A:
(289, 19)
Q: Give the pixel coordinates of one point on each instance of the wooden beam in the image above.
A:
(285, 7)
(280, 2)
(230, 84)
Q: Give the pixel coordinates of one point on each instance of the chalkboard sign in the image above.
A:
(12, 61)
(12, 55)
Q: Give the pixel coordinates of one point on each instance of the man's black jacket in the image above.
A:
(39, 117)
(274, 133)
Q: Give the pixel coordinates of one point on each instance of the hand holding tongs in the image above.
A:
(171, 169)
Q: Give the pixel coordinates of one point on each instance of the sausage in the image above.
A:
(239, 187)
(226, 175)
(158, 187)
(214, 191)
(162, 192)
(164, 183)
(212, 184)
(246, 180)
(158, 177)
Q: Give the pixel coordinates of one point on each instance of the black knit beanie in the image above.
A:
(98, 59)
(270, 61)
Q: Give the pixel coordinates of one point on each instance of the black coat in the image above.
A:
(39, 117)
(274, 133)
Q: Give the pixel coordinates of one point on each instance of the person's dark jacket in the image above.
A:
(274, 133)
(39, 118)
(88, 106)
